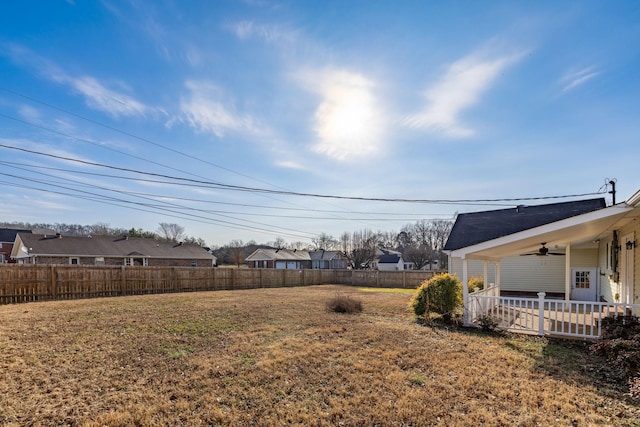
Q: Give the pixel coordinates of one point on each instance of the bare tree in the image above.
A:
(359, 248)
(324, 241)
(101, 229)
(236, 252)
(419, 256)
(170, 231)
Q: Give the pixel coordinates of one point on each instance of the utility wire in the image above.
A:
(110, 200)
(220, 185)
(27, 166)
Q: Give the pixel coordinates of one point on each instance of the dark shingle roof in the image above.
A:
(388, 259)
(41, 244)
(8, 235)
(324, 255)
(477, 227)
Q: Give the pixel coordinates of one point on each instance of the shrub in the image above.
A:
(488, 323)
(475, 283)
(442, 294)
(344, 304)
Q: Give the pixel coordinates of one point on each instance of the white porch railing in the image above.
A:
(542, 316)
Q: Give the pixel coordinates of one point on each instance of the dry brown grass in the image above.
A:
(272, 357)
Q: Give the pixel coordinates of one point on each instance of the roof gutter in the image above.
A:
(621, 208)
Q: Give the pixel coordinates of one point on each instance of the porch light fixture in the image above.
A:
(630, 244)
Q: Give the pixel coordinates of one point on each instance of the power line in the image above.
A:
(220, 185)
(165, 211)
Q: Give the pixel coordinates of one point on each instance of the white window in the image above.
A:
(99, 260)
(135, 261)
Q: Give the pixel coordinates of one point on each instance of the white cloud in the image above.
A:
(102, 98)
(457, 90)
(97, 95)
(245, 30)
(205, 111)
(348, 121)
(290, 164)
(573, 79)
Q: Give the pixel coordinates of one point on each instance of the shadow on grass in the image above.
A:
(567, 360)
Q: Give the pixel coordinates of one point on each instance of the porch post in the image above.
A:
(465, 291)
(541, 296)
(567, 273)
(498, 274)
(485, 273)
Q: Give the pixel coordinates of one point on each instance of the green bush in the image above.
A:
(475, 283)
(344, 304)
(441, 294)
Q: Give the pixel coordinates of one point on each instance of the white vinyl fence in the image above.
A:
(542, 316)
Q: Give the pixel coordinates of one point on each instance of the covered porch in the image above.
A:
(572, 314)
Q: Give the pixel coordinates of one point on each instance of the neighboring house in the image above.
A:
(598, 247)
(524, 275)
(7, 237)
(390, 262)
(105, 250)
(431, 266)
(279, 258)
(332, 260)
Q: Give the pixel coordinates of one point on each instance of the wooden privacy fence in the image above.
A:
(26, 283)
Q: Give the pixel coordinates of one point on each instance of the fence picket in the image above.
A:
(24, 283)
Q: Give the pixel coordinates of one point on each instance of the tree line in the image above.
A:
(420, 243)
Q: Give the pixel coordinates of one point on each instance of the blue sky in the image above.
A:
(459, 100)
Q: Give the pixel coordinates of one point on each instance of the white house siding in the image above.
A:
(385, 266)
(519, 274)
(610, 289)
(529, 273)
(474, 268)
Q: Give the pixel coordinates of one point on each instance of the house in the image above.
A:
(279, 258)
(107, 250)
(390, 262)
(522, 275)
(599, 264)
(431, 266)
(322, 259)
(7, 237)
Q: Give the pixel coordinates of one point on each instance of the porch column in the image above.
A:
(485, 273)
(567, 273)
(498, 274)
(465, 291)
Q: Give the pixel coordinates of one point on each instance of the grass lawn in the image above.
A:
(274, 357)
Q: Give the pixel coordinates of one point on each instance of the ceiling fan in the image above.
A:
(543, 251)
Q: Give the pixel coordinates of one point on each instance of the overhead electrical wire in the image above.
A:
(111, 200)
(28, 167)
(219, 185)
(124, 153)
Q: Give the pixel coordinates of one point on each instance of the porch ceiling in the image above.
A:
(577, 231)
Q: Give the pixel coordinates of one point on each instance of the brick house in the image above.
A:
(279, 259)
(7, 237)
(107, 250)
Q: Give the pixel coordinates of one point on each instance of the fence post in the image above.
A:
(541, 296)
(52, 282)
(123, 281)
